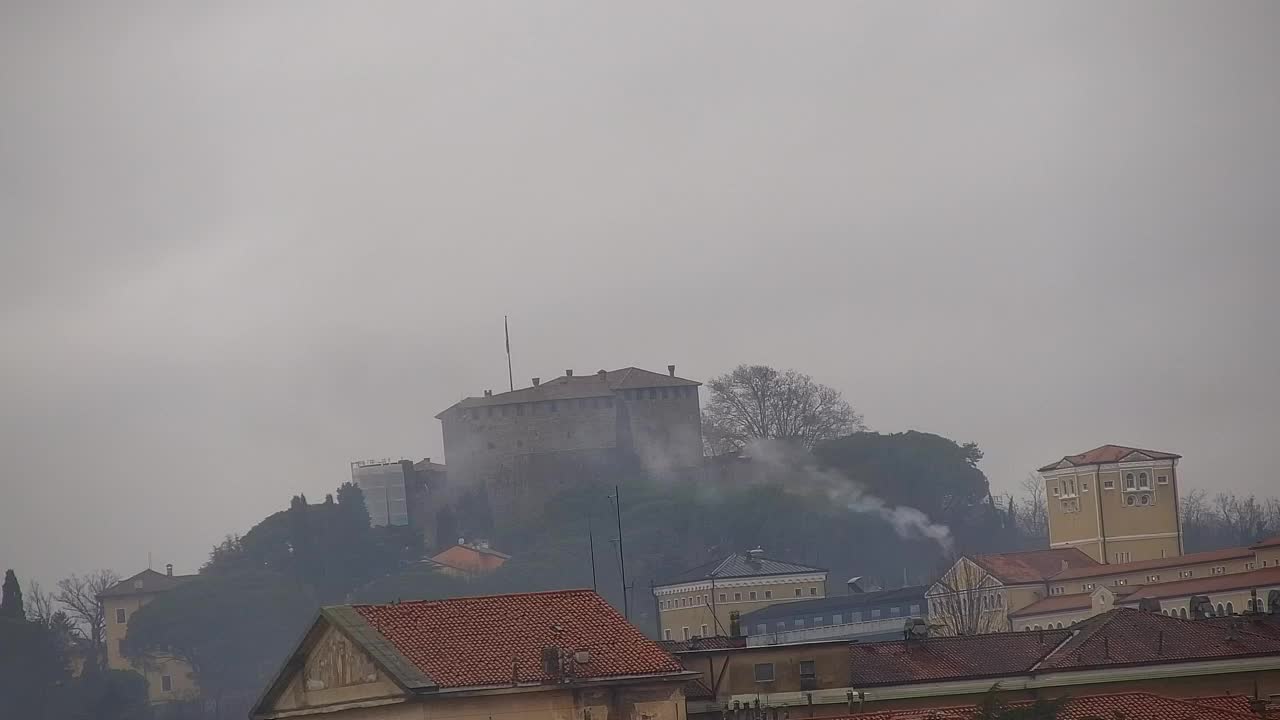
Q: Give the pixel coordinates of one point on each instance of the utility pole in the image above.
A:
(622, 558)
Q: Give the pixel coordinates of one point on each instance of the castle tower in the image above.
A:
(1117, 504)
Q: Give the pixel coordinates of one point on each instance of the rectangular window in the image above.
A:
(737, 597)
(855, 617)
(781, 626)
(915, 609)
(813, 591)
(653, 393)
(875, 614)
(1249, 566)
(684, 632)
(551, 406)
(799, 622)
(666, 633)
(1084, 486)
(761, 629)
(837, 619)
(1055, 490)
(1186, 574)
(1057, 590)
(1162, 479)
(722, 597)
(797, 592)
(753, 594)
(520, 410)
(1153, 578)
(703, 631)
(119, 616)
(166, 683)
(1122, 581)
(768, 594)
(1219, 570)
(817, 622)
(1088, 587)
(764, 672)
(1108, 484)
(808, 669)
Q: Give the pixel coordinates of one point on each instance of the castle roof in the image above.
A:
(604, 383)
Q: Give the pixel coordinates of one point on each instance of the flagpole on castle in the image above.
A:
(510, 378)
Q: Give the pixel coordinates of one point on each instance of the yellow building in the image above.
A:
(1117, 504)
(701, 602)
(168, 679)
(535, 656)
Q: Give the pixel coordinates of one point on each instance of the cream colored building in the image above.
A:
(535, 656)
(1117, 504)
(702, 602)
(1239, 580)
(168, 679)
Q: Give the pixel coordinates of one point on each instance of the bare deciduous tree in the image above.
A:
(1033, 512)
(966, 600)
(758, 401)
(81, 596)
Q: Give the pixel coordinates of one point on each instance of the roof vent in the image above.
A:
(537, 382)
(671, 370)
(855, 585)
(756, 552)
(568, 372)
(168, 569)
(582, 657)
(602, 373)
(488, 393)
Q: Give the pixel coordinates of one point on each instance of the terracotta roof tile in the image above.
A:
(1033, 565)
(1130, 706)
(569, 387)
(1158, 563)
(715, 642)
(741, 565)
(1272, 541)
(493, 640)
(1260, 579)
(1056, 604)
(1105, 454)
(900, 662)
(147, 581)
(1256, 623)
(1134, 637)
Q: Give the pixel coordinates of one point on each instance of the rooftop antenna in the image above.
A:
(591, 548)
(507, 333)
(616, 497)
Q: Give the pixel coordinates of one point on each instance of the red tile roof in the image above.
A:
(1056, 604)
(1134, 637)
(1256, 623)
(1261, 579)
(1033, 565)
(1130, 706)
(1158, 563)
(493, 640)
(569, 387)
(900, 662)
(715, 642)
(1272, 541)
(1105, 454)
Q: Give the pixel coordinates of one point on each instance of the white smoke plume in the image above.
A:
(797, 470)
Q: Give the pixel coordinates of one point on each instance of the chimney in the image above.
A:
(537, 382)
(568, 372)
(168, 569)
(488, 393)
(602, 374)
(671, 370)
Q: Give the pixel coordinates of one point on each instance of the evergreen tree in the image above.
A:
(11, 600)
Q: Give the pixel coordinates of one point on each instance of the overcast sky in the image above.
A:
(244, 243)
